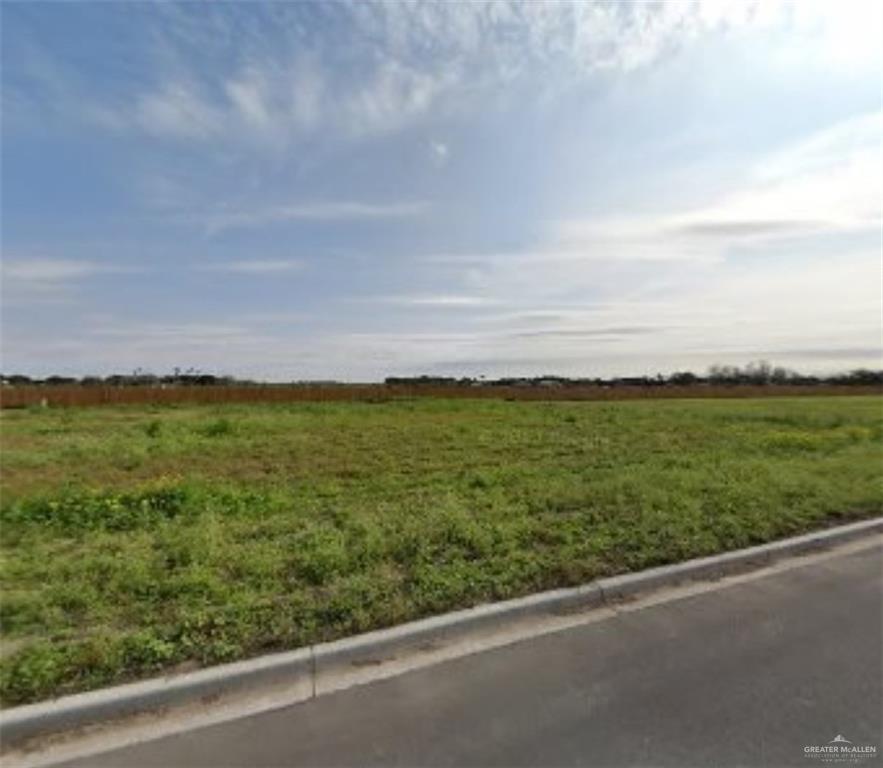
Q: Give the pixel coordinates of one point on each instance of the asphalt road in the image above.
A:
(745, 675)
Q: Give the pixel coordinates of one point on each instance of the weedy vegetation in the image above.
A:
(143, 539)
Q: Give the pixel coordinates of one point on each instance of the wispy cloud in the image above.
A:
(746, 228)
(439, 153)
(39, 280)
(452, 301)
(690, 273)
(257, 266)
(345, 210)
(613, 333)
(827, 183)
(42, 270)
(592, 193)
(24, 276)
(176, 110)
(183, 333)
(302, 86)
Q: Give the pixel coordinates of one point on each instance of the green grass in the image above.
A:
(142, 539)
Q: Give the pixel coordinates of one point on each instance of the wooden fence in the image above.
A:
(76, 395)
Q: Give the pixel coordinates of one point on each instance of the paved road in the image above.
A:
(746, 675)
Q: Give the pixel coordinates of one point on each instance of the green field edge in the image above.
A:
(297, 525)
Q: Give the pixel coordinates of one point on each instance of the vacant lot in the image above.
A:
(139, 539)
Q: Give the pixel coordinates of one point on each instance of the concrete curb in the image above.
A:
(316, 670)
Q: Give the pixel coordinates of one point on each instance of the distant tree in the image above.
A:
(724, 374)
(758, 372)
(59, 380)
(863, 376)
(780, 375)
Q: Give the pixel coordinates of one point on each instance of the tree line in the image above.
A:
(756, 373)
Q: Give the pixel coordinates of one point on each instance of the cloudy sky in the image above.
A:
(298, 190)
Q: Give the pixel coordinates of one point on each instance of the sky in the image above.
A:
(293, 191)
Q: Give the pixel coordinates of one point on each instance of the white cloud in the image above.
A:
(847, 34)
(784, 263)
(342, 210)
(392, 97)
(439, 153)
(374, 68)
(452, 301)
(248, 95)
(38, 280)
(40, 270)
(22, 275)
(402, 61)
(308, 93)
(160, 334)
(257, 266)
(786, 313)
(177, 110)
(829, 183)
(728, 276)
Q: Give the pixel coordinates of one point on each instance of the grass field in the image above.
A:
(141, 539)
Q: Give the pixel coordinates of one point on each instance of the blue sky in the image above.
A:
(302, 191)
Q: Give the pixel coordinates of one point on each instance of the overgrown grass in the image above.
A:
(139, 539)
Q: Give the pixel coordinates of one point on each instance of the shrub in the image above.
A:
(153, 428)
(218, 428)
(77, 512)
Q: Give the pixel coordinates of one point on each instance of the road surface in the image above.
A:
(749, 674)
